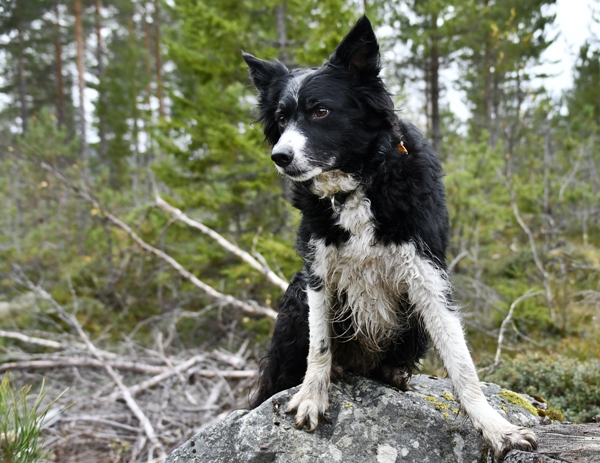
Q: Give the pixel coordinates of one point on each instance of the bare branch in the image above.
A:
(69, 362)
(456, 260)
(210, 291)
(508, 320)
(223, 242)
(160, 377)
(49, 343)
(131, 403)
(30, 340)
(536, 258)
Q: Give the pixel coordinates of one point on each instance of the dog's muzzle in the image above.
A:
(283, 156)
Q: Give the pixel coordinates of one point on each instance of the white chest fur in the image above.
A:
(367, 277)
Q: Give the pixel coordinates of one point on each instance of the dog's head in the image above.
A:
(328, 118)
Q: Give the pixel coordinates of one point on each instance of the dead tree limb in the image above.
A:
(69, 362)
(160, 377)
(536, 258)
(254, 309)
(272, 277)
(507, 320)
(30, 340)
(49, 343)
(131, 403)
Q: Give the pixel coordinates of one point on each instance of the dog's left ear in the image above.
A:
(359, 51)
(263, 72)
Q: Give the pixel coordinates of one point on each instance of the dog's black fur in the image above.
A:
(373, 236)
(405, 190)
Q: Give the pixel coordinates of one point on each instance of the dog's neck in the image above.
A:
(333, 183)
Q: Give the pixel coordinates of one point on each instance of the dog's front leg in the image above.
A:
(312, 400)
(429, 290)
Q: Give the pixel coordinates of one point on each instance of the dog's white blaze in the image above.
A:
(294, 140)
(295, 83)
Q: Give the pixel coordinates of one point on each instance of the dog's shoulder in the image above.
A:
(407, 194)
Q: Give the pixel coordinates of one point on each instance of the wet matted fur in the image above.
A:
(374, 292)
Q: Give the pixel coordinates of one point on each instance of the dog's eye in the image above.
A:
(281, 120)
(321, 112)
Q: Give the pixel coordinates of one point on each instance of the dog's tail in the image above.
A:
(284, 365)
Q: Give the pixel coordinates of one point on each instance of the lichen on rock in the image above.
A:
(369, 422)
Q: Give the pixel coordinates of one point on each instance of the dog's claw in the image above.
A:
(513, 438)
(308, 410)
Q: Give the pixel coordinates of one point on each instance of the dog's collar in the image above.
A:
(338, 200)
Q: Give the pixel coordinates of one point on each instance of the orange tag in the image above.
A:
(401, 148)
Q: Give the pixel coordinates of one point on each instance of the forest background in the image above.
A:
(127, 143)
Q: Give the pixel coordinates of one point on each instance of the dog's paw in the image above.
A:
(308, 409)
(511, 438)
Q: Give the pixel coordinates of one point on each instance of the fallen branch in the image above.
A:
(210, 291)
(160, 377)
(49, 343)
(70, 362)
(227, 245)
(30, 340)
(131, 403)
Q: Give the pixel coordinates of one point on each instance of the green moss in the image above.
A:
(518, 400)
(554, 414)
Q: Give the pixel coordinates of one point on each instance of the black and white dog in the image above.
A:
(374, 290)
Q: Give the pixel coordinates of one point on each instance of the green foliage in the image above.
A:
(568, 384)
(20, 422)
(521, 153)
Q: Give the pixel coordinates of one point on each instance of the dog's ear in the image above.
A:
(263, 72)
(359, 50)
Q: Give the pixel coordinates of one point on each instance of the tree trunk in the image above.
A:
(434, 74)
(157, 60)
(282, 34)
(100, 74)
(83, 151)
(22, 83)
(489, 88)
(60, 91)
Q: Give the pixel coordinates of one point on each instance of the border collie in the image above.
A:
(374, 291)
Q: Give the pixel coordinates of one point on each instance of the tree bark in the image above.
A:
(83, 151)
(282, 34)
(157, 60)
(60, 92)
(100, 74)
(22, 83)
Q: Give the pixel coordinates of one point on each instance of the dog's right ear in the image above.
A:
(359, 51)
(263, 72)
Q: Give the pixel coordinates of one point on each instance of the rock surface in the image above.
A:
(370, 422)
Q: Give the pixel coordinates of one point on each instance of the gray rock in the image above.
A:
(370, 422)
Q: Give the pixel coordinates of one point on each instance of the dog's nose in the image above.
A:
(282, 157)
